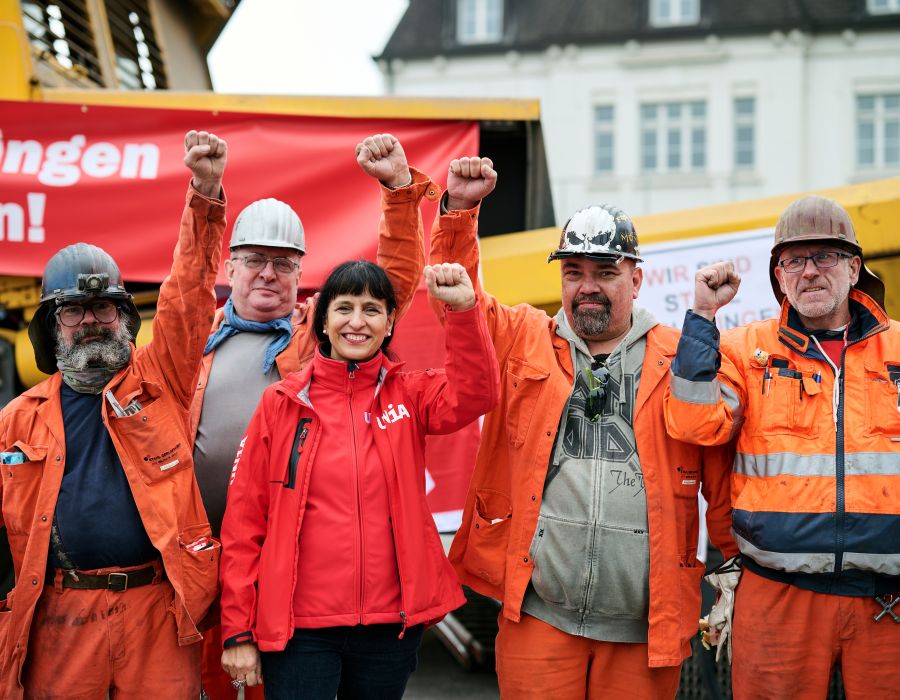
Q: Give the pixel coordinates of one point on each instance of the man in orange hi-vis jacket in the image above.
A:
(813, 399)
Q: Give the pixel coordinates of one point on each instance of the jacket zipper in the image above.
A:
(296, 451)
(404, 620)
(351, 375)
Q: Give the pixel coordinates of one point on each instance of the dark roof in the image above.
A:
(428, 28)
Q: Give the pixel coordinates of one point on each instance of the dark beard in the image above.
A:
(590, 323)
(111, 350)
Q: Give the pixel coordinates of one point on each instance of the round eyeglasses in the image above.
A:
(72, 314)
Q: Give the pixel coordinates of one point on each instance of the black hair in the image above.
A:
(354, 277)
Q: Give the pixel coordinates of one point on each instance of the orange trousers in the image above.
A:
(536, 661)
(216, 683)
(787, 639)
(85, 644)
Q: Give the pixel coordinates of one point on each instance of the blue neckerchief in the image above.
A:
(234, 324)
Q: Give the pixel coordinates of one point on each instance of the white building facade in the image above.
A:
(661, 122)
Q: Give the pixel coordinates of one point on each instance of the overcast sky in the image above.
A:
(304, 47)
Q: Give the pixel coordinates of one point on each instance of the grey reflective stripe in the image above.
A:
(730, 397)
(787, 463)
(801, 562)
(694, 392)
(885, 564)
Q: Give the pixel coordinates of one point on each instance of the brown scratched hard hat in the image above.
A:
(818, 218)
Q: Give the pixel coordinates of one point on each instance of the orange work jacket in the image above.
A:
(154, 446)
(491, 550)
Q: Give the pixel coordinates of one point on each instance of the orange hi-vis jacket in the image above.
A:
(401, 252)
(153, 445)
(491, 549)
(816, 478)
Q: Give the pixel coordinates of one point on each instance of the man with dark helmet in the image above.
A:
(114, 559)
(812, 400)
(582, 514)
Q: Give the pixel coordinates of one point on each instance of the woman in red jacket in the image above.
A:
(331, 563)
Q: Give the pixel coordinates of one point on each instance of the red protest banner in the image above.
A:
(114, 176)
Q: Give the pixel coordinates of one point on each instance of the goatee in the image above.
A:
(590, 323)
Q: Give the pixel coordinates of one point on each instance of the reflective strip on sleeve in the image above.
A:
(695, 392)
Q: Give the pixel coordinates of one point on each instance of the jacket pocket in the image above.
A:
(199, 552)
(486, 547)
(524, 383)
(780, 405)
(23, 468)
(883, 399)
(154, 439)
(620, 585)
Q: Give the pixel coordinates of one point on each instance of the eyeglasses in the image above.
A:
(72, 314)
(257, 262)
(597, 378)
(820, 260)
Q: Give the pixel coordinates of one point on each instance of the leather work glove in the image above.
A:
(715, 628)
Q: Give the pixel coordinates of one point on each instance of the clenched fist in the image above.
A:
(205, 154)
(714, 286)
(449, 283)
(381, 156)
(469, 181)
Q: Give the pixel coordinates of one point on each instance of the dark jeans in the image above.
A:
(365, 662)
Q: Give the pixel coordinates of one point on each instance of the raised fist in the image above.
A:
(381, 156)
(714, 286)
(470, 180)
(449, 283)
(205, 154)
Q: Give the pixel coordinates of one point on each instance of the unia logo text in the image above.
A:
(391, 415)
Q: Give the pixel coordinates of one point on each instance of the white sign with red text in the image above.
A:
(669, 269)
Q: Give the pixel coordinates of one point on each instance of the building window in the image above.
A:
(674, 13)
(878, 131)
(139, 62)
(479, 21)
(744, 133)
(673, 137)
(61, 32)
(603, 139)
(883, 7)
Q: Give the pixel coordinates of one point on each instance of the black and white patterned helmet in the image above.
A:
(598, 232)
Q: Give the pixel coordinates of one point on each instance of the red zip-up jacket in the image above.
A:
(268, 495)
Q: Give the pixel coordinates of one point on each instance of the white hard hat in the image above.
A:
(268, 222)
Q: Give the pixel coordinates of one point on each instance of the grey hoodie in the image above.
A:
(591, 548)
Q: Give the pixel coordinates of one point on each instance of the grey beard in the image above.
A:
(590, 323)
(112, 351)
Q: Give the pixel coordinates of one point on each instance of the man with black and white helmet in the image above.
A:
(582, 514)
(262, 335)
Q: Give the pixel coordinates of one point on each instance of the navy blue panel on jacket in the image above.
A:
(98, 521)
